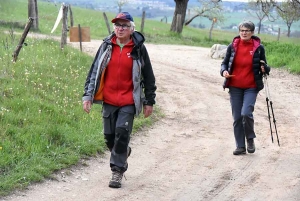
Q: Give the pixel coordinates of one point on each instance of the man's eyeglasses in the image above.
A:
(123, 26)
(246, 31)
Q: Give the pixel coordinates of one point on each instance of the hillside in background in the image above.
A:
(163, 10)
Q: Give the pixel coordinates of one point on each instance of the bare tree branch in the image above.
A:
(209, 9)
(121, 3)
(190, 20)
(275, 3)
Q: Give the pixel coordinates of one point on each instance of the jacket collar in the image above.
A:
(137, 37)
(237, 39)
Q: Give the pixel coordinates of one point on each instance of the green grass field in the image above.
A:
(43, 127)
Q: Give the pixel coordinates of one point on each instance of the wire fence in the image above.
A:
(12, 46)
(10, 42)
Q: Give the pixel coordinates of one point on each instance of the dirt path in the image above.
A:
(187, 155)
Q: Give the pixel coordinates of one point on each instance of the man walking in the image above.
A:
(121, 78)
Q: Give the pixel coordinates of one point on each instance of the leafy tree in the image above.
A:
(290, 13)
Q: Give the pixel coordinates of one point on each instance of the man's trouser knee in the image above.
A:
(121, 140)
(109, 140)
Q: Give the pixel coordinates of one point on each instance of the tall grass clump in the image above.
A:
(43, 127)
(284, 55)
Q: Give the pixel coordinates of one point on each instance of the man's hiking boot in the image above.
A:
(250, 146)
(116, 179)
(239, 151)
(117, 174)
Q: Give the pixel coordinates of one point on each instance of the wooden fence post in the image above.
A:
(106, 22)
(80, 38)
(278, 36)
(71, 17)
(64, 31)
(143, 22)
(164, 18)
(26, 30)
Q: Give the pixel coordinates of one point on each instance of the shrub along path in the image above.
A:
(187, 155)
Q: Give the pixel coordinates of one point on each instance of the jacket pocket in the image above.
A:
(107, 129)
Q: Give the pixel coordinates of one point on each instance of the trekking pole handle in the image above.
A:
(263, 67)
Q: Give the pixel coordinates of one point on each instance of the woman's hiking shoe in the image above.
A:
(116, 178)
(239, 150)
(250, 146)
(128, 151)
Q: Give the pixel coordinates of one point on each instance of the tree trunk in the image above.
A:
(259, 26)
(33, 13)
(211, 28)
(180, 8)
(289, 31)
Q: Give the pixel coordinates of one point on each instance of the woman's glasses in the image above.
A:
(245, 31)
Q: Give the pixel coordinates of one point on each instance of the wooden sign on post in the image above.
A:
(75, 34)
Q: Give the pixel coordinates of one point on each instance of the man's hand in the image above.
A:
(87, 106)
(147, 110)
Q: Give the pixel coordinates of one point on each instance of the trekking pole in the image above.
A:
(268, 99)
